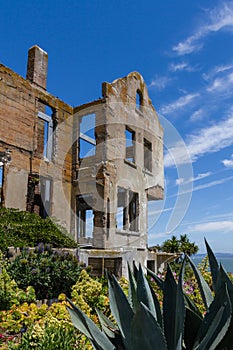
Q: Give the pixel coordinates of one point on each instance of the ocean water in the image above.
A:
(225, 259)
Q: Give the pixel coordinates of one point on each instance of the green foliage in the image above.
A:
(88, 293)
(23, 229)
(42, 327)
(10, 293)
(141, 324)
(49, 272)
(181, 245)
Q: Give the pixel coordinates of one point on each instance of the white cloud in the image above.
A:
(214, 226)
(178, 104)
(202, 187)
(182, 66)
(221, 84)
(160, 82)
(197, 115)
(207, 140)
(193, 179)
(213, 183)
(189, 45)
(219, 18)
(217, 70)
(228, 163)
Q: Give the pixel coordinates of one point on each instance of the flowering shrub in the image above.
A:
(49, 272)
(88, 293)
(10, 293)
(44, 327)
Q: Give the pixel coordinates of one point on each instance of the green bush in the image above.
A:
(44, 327)
(23, 229)
(50, 337)
(10, 293)
(49, 272)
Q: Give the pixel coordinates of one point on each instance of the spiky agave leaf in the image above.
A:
(215, 323)
(192, 324)
(144, 294)
(85, 325)
(107, 325)
(121, 309)
(111, 330)
(173, 311)
(214, 267)
(222, 279)
(132, 292)
(146, 334)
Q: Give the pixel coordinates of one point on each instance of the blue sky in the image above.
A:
(184, 50)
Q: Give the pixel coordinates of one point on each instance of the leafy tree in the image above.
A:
(181, 245)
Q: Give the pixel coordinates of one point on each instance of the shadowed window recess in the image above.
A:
(147, 155)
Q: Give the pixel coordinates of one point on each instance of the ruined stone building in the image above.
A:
(93, 167)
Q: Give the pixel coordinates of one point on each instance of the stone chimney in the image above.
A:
(37, 66)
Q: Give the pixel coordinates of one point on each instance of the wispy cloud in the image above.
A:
(181, 102)
(204, 186)
(214, 226)
(160, 82)
(207, 140)
(213, 183)
(182, 66)
(159, 211)
(197, 115)
(222, 83)
(217, 19)
(217, 70)
(228, 163)
(193, 179)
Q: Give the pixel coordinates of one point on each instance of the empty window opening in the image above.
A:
(133, 211)
(99, 265)
(147, 155)
(127, 210)
(151, 265)
(45, 192)
(138, 99)
(1, 183)
(85, 216)
(121, 208)
(45, 133)
(39, 195)
(130, 144)
(87, 141)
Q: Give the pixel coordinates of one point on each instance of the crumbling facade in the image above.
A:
(93, 167)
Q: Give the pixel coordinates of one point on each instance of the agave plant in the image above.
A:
(141, 324)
